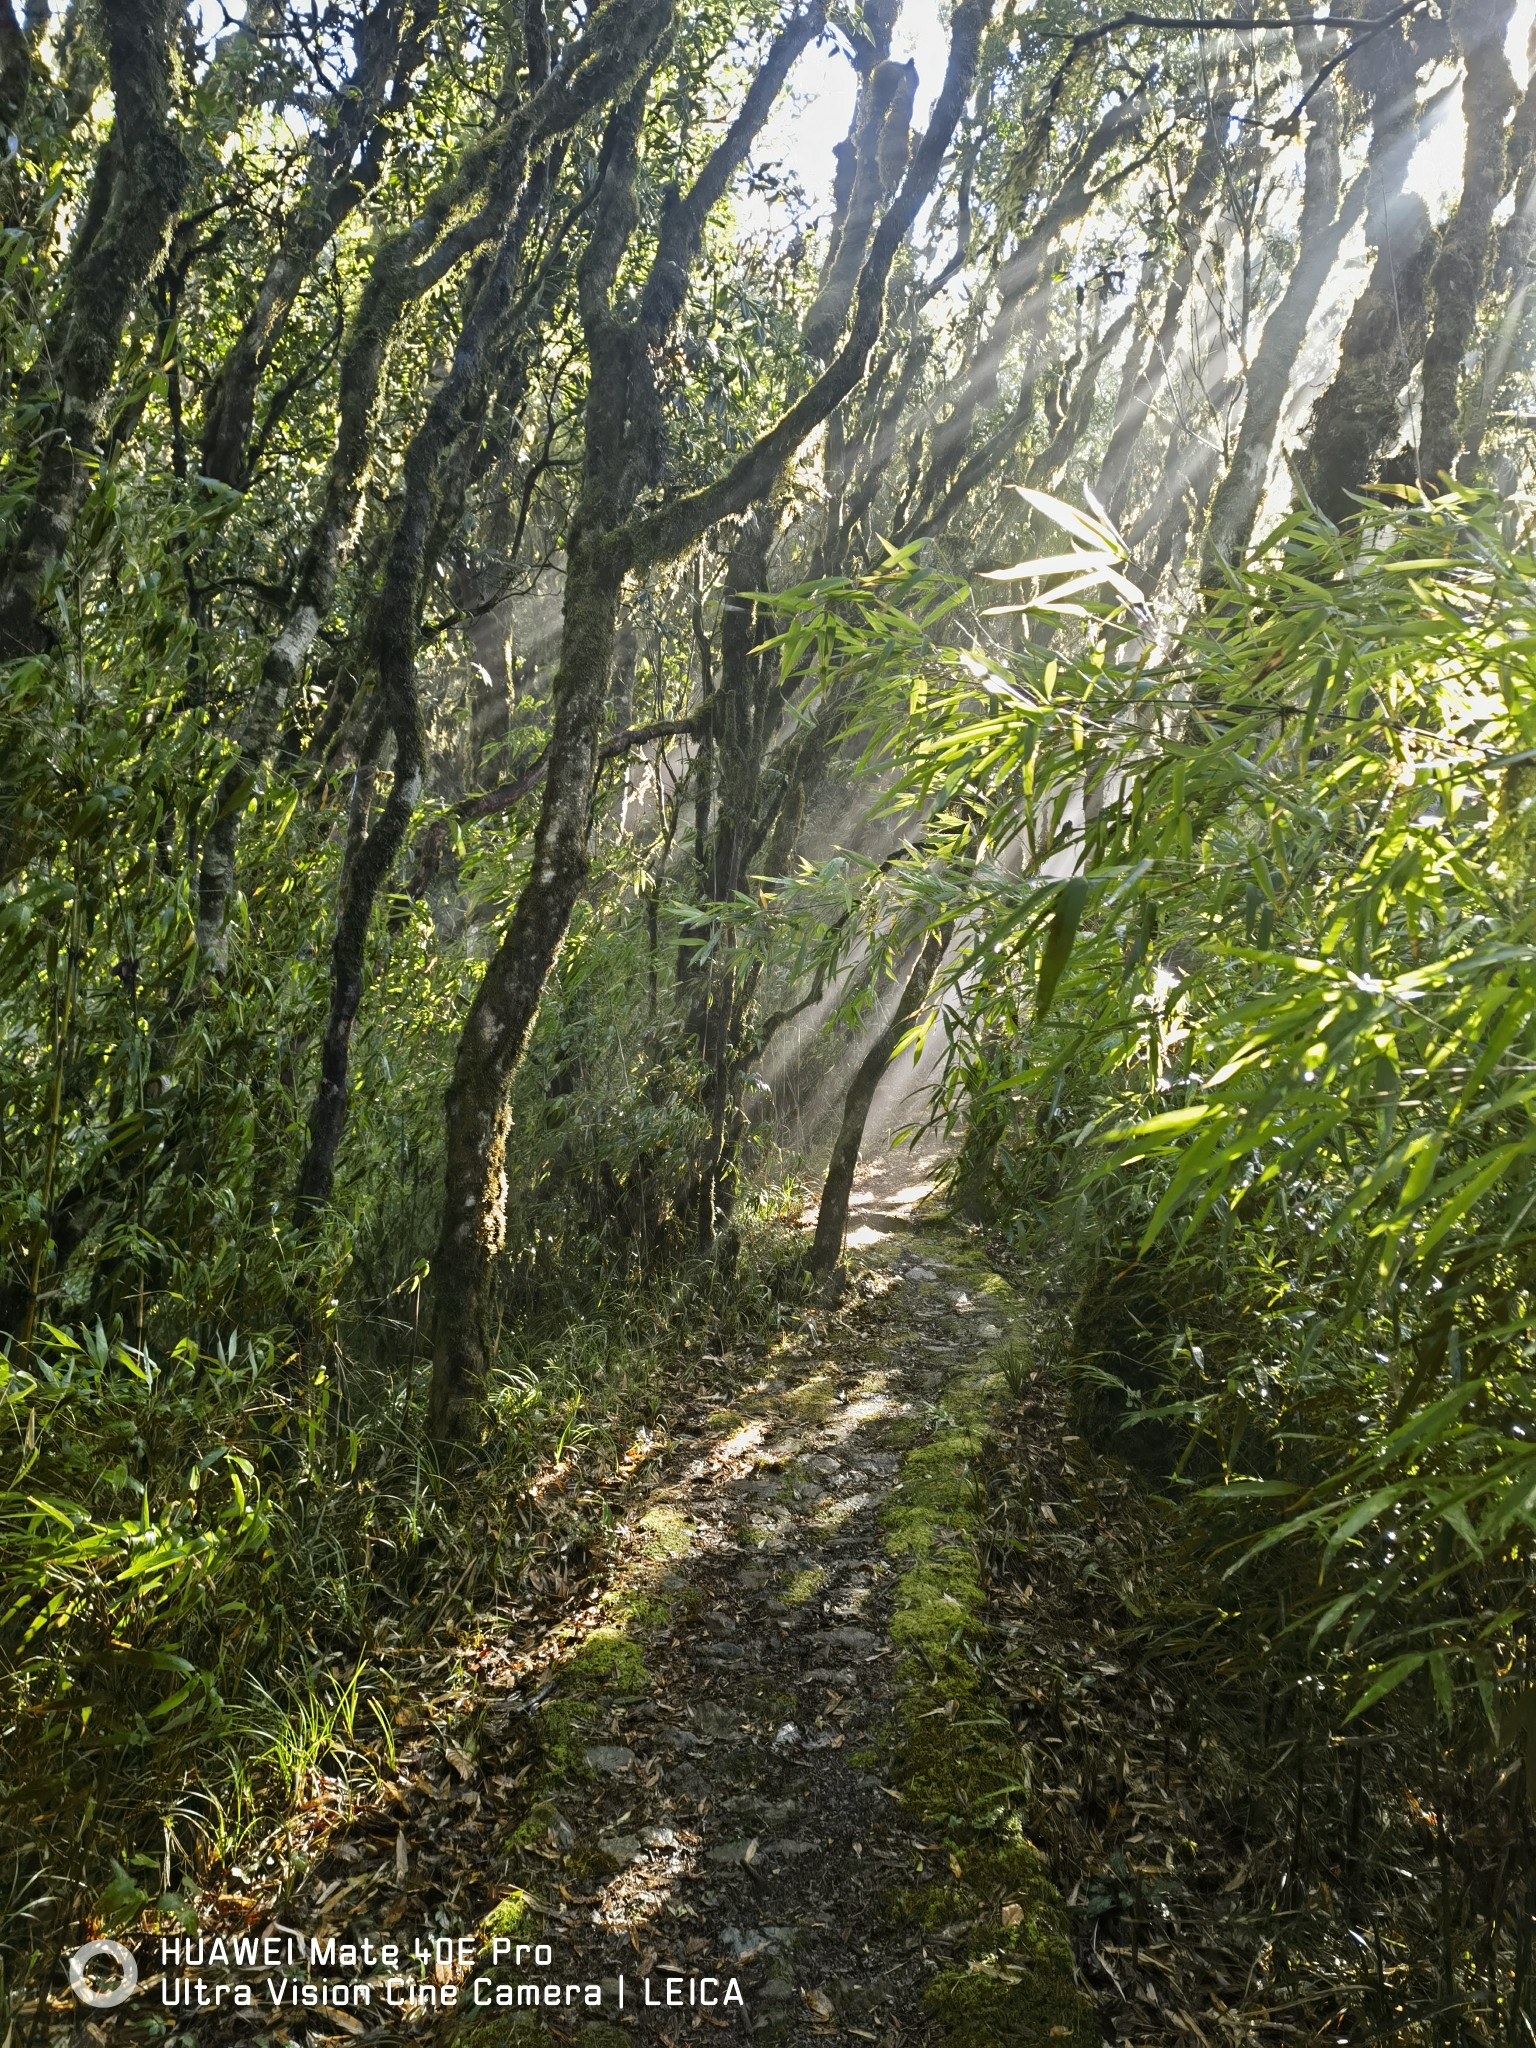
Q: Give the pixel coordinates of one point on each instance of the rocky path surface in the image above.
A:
(763, 1800)
(753, 1776)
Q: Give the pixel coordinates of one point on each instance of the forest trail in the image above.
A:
(720, 1805)
(761, 1754)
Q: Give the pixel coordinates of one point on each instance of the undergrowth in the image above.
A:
(220, 1567)
(1244, 1859)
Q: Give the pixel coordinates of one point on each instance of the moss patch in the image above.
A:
(802, 1586)
(512, 1917)
(606, 1668)
(665, 1533)
(1010, 1982)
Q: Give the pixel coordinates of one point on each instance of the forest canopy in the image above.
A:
(578, 649)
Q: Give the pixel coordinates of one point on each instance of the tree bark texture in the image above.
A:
(832, 1216)
(1323, 227)
(1461, 263)
(1360, 414)
(878, 147)
(140, 175)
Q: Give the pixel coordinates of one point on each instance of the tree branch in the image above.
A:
(667, 533)
(491, 802)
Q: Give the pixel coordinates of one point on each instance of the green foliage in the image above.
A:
(1241, 998)
(1245, 1010)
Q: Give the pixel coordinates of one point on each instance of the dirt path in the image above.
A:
(757, 1770)
(773, 1781)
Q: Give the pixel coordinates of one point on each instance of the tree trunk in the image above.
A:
(490, 332)
(1457, 279)
(506, 1003)
(140, 176)
(1194, 215)
(1324, 225)
(740, 727)
(1361, 411)
(370, 854)
(832, 1216)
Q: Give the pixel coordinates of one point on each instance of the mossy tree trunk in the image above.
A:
(1360, 413)
(493, 333)
(743, 712)
(121, 241)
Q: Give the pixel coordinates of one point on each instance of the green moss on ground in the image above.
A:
(1011, 1981)
(606, 1667)
(803, 1585)
(512, 1916)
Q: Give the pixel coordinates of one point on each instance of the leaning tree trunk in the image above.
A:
(141, 172)
(1360, 413)
(506, 1003)
(832, 1216)
(491, 336)
(1324, 225)
(1457, 281)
